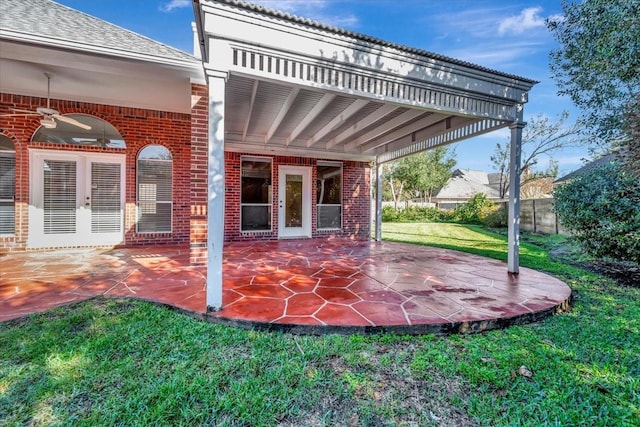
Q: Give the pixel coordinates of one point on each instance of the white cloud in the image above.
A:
(175, 4)
(528, 19)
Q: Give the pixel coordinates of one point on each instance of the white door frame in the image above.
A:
(306, 215)
(83, 235)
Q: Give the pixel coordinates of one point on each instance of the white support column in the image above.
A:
(513, 250)
(378, 201)
(215, 205)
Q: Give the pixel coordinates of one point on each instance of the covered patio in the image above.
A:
(304, 286)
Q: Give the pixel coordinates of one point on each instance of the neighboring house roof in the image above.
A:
(49, 23)
(466, 183)
(587, 168)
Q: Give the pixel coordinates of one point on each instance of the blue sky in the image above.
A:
(505, 36)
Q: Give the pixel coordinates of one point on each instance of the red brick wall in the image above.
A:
(198, 188)
(355, 199)
(139, 128)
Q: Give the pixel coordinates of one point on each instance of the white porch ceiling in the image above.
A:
(269, 116)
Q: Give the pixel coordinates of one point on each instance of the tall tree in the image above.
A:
(598, 65)
(424, 174)
(540, 137)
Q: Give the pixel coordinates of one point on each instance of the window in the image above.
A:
(101, 134)
(255, 194)
(154, 190)
(7, 186)
(329, 192)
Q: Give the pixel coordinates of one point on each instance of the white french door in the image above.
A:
(76, 199)
(294, 201)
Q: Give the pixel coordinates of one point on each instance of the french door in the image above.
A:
(76, 199)
(294, 201)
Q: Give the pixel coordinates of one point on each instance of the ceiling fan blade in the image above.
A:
(71, 121)
(19, 114)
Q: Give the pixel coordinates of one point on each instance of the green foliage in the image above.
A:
(424, 173)
(474, 211)
(602, 211)
(597, 64)
(496, 216)
(414, 214)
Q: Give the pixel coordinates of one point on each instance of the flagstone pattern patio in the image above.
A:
(302, 286)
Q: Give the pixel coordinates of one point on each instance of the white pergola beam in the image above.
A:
(403, 118)
(254, 91)
(380, 113)
(406, 131)
(429, 132)
(352, 109)
(311, 116)
(282, 113)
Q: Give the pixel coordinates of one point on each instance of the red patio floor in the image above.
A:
(310, 286)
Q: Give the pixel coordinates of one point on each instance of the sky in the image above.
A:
(508, 36)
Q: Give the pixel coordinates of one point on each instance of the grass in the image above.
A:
(108, 362)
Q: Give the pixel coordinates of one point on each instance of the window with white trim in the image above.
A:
(255, 194)
(329, 195)
(154, 190)
(7, 186)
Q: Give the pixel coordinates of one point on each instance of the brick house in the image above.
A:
(269, 131)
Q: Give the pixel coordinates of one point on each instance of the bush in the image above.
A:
(602, 211)
(413, 214)
(474, 211)
(496, 217)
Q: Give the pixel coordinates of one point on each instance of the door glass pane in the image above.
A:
(293, 201)
(106, 212)
(59, 197)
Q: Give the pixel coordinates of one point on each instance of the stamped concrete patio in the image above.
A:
(306, 286)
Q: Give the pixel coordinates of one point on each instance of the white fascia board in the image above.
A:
(89, 49)
(224, 22)
(270, 150)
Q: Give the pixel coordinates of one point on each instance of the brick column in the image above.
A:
(198, 187)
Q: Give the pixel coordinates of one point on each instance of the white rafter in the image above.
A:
(251, 105)
(311, 116)
(362, 124)
(282, 113)
(404, 131)
(352, 109)
(403, 118)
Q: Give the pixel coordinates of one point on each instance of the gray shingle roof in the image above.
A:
(608, 158)
(47, 20)
(466, 183)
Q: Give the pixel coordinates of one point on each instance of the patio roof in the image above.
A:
(299, 87)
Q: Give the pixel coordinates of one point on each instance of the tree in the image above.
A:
(597, 66)
(602, 211)
(541, 137)
(425, 173)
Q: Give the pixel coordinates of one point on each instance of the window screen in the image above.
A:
(255, 194)
(329, 196)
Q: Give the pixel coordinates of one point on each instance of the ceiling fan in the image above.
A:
(49, 115)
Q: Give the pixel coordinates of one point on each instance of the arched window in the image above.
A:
(101, 133)
(7, 186)
(154, 190)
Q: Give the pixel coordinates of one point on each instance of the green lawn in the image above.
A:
(107, 362)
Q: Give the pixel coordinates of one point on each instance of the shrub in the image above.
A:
(413, 214)
(474, 211)
(496, 216)
(389, 214)
(602, 211)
